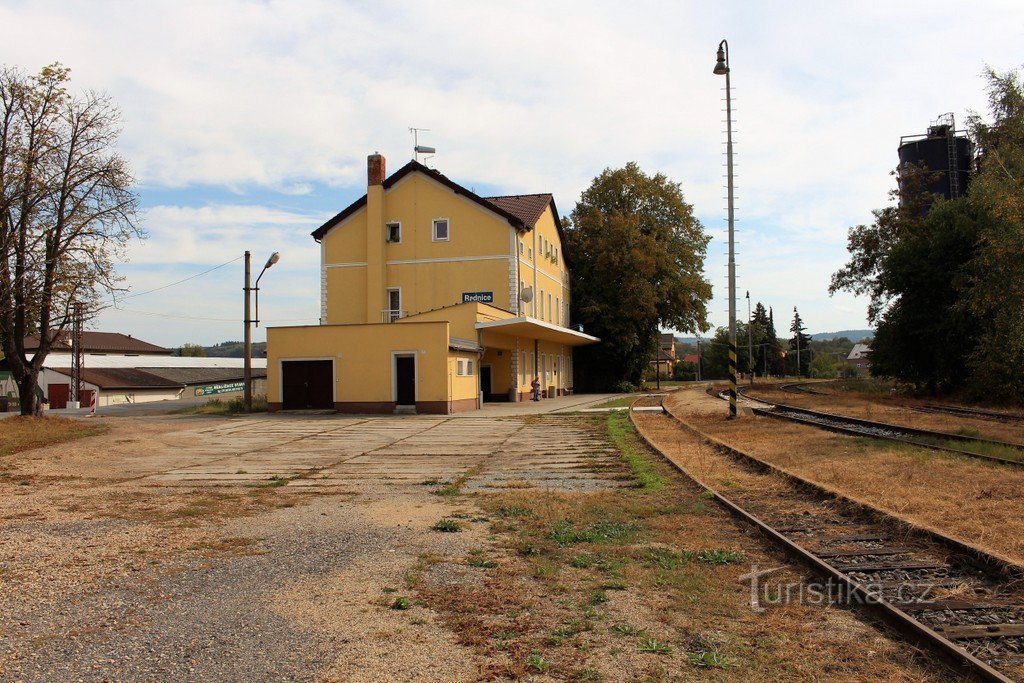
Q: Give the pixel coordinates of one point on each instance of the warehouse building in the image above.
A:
(118, 368)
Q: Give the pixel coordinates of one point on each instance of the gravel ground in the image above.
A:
(107, 574)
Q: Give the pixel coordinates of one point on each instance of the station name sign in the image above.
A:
(478, 297)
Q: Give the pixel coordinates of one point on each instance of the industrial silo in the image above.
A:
(942, 150)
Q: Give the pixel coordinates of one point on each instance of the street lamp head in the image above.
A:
(722, 66)
(274, 258)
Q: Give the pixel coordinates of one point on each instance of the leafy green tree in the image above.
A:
(800, 345)
(927, 334)
(638, 258)
(67, 212)
(996, 283)
(868, 245)
(192, 350)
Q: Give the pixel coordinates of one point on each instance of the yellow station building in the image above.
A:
(433, 299)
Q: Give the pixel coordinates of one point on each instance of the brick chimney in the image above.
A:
(375, 169)
(375, 262)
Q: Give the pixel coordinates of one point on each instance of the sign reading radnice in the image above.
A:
(478, 297)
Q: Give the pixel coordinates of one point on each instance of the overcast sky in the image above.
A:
(248, 123)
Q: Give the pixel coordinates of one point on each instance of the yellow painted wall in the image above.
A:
(551, 277)
(465, 386)
(362, 357)
(475, 258)
(463, 318)
(346, 299)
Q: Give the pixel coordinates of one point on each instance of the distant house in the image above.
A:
(665, 361)
(858, 358)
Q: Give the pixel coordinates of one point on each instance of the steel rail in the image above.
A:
(860, 427)
(893, 615)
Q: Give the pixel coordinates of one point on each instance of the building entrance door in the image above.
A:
(405, 380)
(485, 382)
(307, 384)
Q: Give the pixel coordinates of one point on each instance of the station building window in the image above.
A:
(441, 230)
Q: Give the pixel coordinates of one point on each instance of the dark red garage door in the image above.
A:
(58, 395)
(307, 384)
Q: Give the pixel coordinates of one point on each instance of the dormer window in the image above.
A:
(441, 233)
(394, 232)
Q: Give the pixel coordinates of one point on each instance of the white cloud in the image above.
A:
(527, 96)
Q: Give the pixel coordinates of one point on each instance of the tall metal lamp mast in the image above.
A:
(722, 68)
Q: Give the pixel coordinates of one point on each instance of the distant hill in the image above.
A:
(235, 349)
(852, 335)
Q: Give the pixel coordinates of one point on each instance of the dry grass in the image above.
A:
(974, 501)
(25, 433)
(640, 584)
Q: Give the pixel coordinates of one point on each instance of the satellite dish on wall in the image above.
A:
(526, 295)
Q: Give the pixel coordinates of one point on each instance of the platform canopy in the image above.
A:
(532, 328)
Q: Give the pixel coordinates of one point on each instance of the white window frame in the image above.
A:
(469, 367)
(433, 230)
(387, 232)
(399, 309)
(460, 367)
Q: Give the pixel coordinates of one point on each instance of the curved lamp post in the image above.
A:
(247, 391)
(722, 69)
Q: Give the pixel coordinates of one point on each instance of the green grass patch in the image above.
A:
(535, 662)
(623, 436)
(448, 526)
(509, 511)
(708, 659)
(606, 531)
(481, 563)
(720, 556)
(621, 402)
(654, 647)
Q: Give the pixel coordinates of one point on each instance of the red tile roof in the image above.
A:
(101, 342)
(527, 207)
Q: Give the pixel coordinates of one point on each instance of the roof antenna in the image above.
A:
(419, 149)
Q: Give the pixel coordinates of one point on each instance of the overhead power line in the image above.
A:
(190, 277)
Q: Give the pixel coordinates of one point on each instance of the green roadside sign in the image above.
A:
(224, 388)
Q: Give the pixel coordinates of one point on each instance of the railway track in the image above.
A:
(960, 444)
(944, 408)
(937, 591)
(964, 411)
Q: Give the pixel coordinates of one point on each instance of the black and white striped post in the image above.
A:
(722, 68)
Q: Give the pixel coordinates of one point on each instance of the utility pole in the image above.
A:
(247, 374)
(750, 341)
(698, 360)
(76, 354)
(797, 325)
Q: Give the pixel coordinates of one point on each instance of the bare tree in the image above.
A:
(67, 212)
